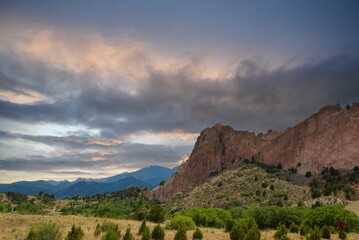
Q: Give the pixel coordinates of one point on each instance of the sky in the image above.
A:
(93, 88)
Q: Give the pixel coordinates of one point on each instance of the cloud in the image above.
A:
(124, 91)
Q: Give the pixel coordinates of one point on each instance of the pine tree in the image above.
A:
(146, 234)
(197, 234)
(158, 233)
(128, 235)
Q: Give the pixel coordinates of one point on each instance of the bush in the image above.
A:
(97, 230)
(238, 231)
(76, 233)
(308, 174)
(238, 212)
(158, 233)
(293, 228)
(157, 214)
(47, 231)
(314, 234)
(181, 234)
(111, 235)
(32, 235)
(325, 232)
(253, 233)
(303, 230)
(342, 234)
(142, 227)
(181, 221)
(197, 234)
(128, 235)
(208, 217)
(281, 231)
(146, 234)
(330, 216)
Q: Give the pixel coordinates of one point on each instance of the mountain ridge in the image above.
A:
(329, 137)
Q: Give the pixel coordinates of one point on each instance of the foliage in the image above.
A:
(158, 233)
(76, 233)
(157, 214)
(238, 231)
(253, 233)
(330, 216)
(111, 235)
(238, 212)
(325, 232)
(125, 204)
(281, 231)
(181, 234)
(208, 217)
(128, 235)
(142, 227)
(181, 221)
(342, 234)
(269, 217)
(314, 234)
(308, 174)
(46, 231)
(246, 229)
(32, 235)
(197, 234)
(5, 207)
(303, 230)
(293, 228)
(146, 234)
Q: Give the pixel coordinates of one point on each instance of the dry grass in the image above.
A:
(16, 226)
(353, 206)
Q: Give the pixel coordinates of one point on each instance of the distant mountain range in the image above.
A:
(148, 177)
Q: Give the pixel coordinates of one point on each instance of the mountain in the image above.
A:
(85, 188)
(329, 138)
(148, 177)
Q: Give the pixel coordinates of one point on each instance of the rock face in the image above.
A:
(327, 138)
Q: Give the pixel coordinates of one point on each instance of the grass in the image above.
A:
(16, 226)
(353, 206)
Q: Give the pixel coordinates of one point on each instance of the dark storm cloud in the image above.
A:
(255, 99)
(127, 156)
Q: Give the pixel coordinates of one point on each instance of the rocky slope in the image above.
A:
(327, 138)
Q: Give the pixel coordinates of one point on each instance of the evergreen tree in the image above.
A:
(181, 234)
(128, 235)
(325, 232)
(76, 233)
(197, 234)
(158, 233)
(146, 234)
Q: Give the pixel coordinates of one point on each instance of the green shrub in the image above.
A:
(281, 231)
(314, 234)
(330, 216)
(342, 234)
(208, 217)
(238, 212)
(128, 235)
(146, 234)
(32, 235)
(197, 234)
(181, 234)
(157, 214)
(325, 232)
(303, 230)
(293, 228)
(142, 227)
(181, 221)
(238, 231)
(76, 233)
(308, 174)
(47, 231)
(158, 233)
(106, 226)
(253, 233)
(111, 234)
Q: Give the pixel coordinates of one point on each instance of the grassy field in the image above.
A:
(353, 206)
(16, 226)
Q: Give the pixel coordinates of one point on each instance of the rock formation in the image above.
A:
(327, 138)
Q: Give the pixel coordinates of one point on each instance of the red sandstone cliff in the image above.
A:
(327, 138)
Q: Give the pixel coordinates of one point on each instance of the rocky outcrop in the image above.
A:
(327, 138)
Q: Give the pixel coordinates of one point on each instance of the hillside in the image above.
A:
(328, 138)
(255, 184)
